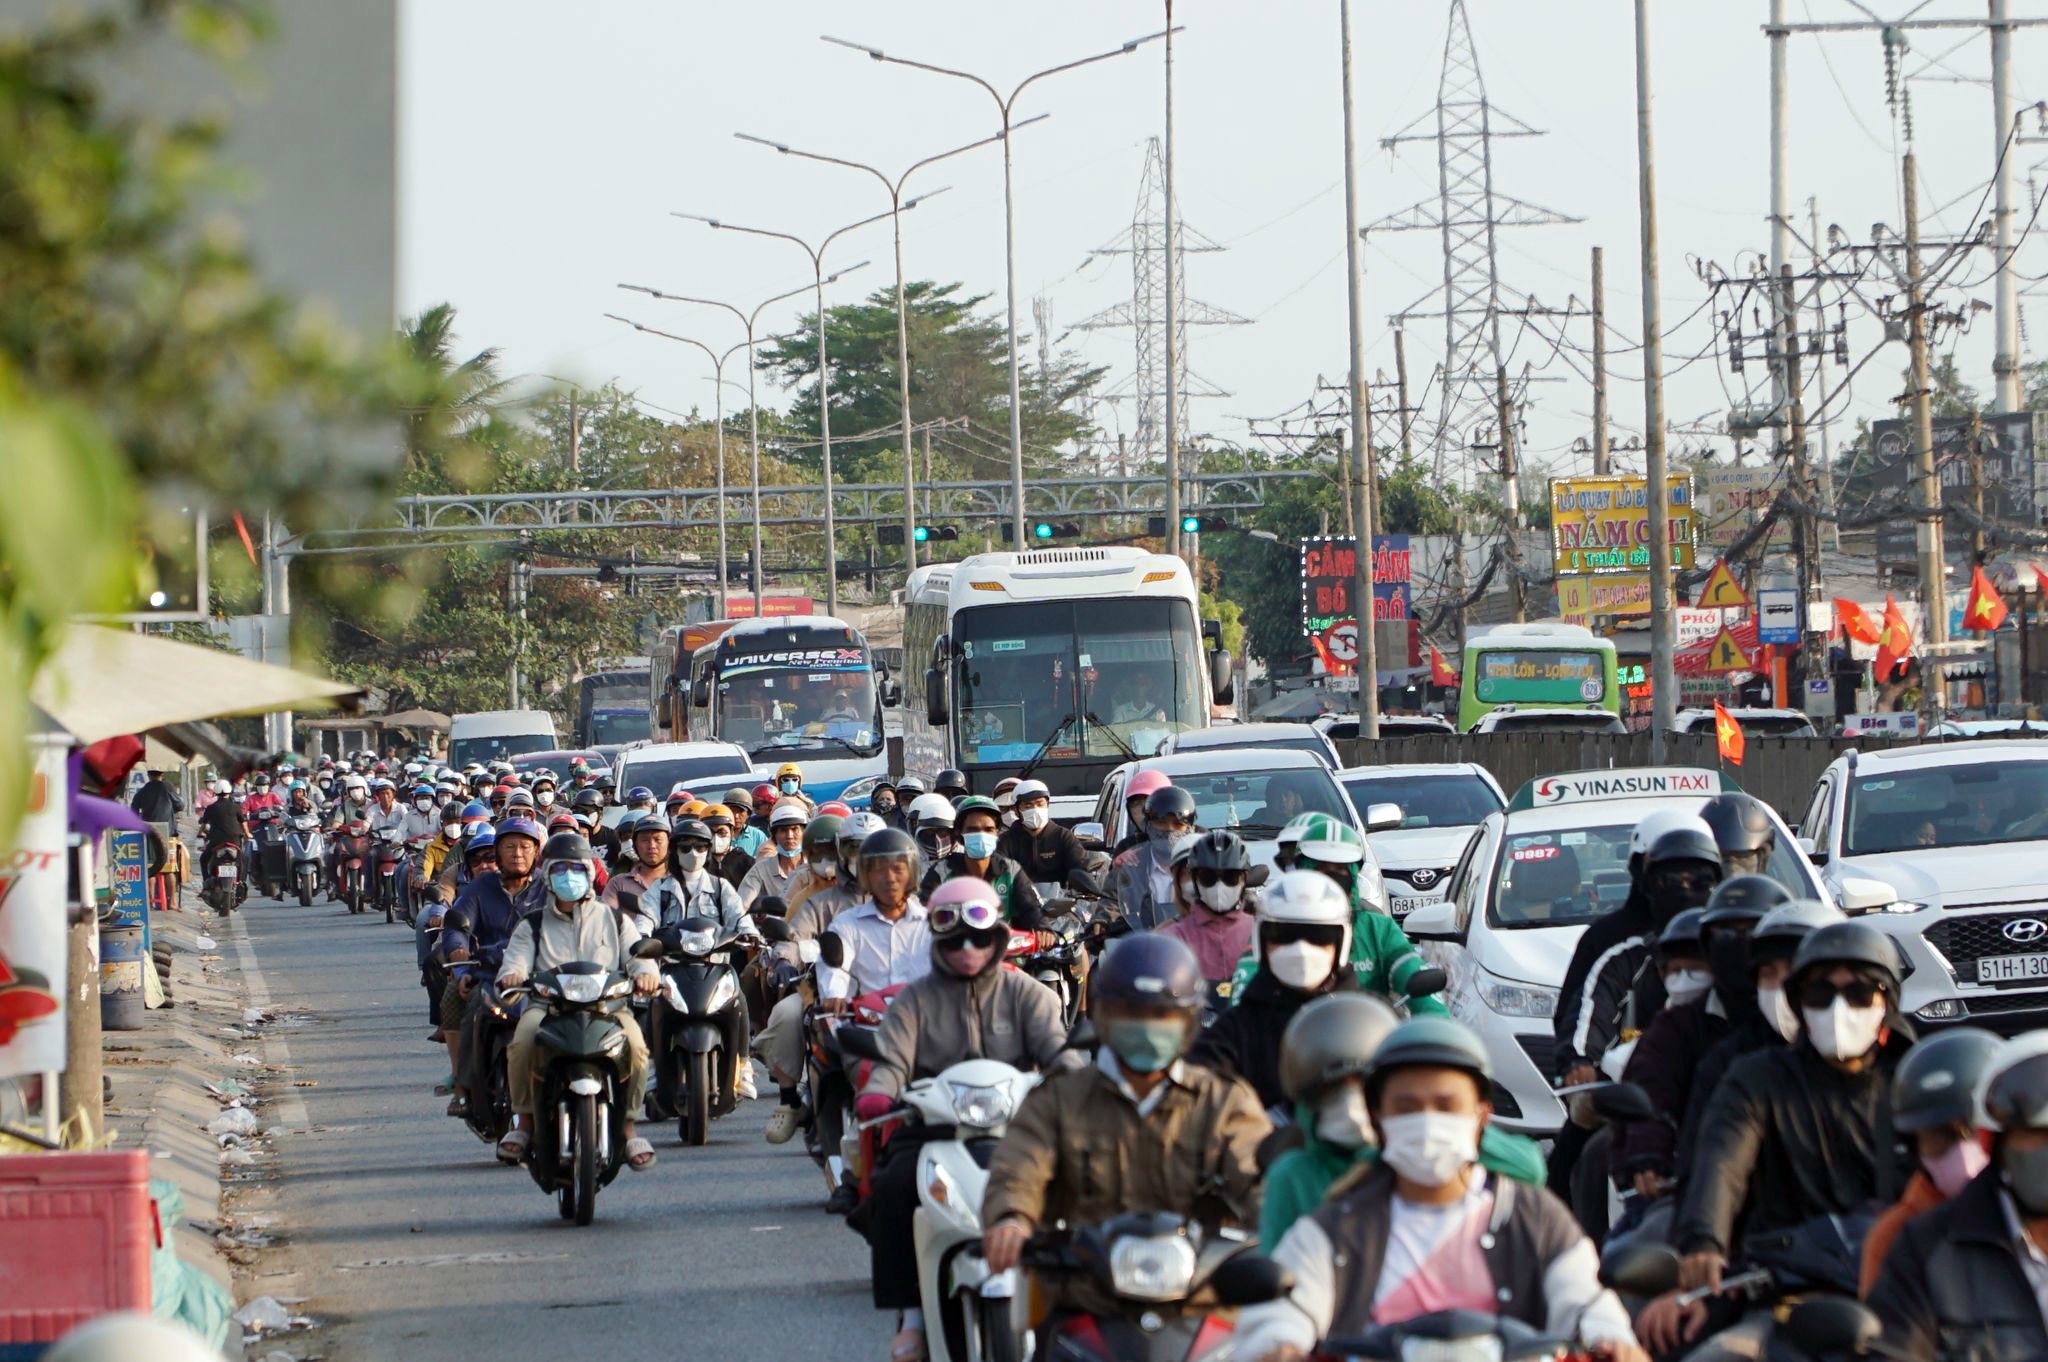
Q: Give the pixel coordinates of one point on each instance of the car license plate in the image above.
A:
(2006, 969)
(1401, 905)
(227, 872)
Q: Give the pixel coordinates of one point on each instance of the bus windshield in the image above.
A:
(1541, 676)
(819, 701)
(1083, 679)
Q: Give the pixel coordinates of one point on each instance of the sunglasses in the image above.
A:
(971, 917)
(984, 940)
(1821, 993)
(1209, 879)
(1687, 879)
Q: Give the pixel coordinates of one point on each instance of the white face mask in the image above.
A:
(543, 797)
(1301, 964)
(1778, 1013)
(690, 861)
(1686, 986)
(1221, 898)
(1034, 817)
(1430, 1147)
(451, 831)
(825, 868)
(1341, 1118)
(720, 843)
(1840, 1031)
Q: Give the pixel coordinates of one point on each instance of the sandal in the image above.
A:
(458, 1105)
(639, 1154)
(512, 1148)
(907, 1346)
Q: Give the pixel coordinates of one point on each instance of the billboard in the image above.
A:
(1329, 567)
(1603, 524)
(1733, 499)
(2005, 443)
(1581, 597)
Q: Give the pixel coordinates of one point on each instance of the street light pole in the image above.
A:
(749, 320)
(1004, 106)
(718, 417)
(817, 255)
(896, 207)
(1361, 414)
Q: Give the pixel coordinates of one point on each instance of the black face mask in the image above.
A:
(1728, 960)
(2026, 1174)
(1676, 886)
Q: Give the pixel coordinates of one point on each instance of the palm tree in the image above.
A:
(453, 403)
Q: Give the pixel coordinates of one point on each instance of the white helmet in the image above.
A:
(355, 784)
(789, 811)
(934, 810)
(1307, 898)
(1656, 824)
(223, 787)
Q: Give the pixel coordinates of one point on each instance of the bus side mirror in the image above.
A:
(1220, 677)
(700, 692)
(935, 697)
(892, 694)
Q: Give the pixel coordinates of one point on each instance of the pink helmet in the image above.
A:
(1144, 783)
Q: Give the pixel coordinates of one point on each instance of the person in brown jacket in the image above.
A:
(1139, 1130)
(1934, 1104)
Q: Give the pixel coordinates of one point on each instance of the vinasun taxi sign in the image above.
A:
(1603, 524)
(1593, 787)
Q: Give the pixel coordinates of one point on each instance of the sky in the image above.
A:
(542, 156)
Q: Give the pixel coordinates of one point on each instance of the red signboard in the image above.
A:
(742, 607)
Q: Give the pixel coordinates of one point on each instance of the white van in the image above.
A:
(493, 733)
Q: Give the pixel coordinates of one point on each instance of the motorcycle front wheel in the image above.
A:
(305, 891)
(696, 1123)
(995, 1331)
(585, 1157)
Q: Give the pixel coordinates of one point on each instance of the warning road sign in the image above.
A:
(1721, 592)
(1727, 656)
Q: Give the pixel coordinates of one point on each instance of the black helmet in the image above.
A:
(451, 812)
(646, 822)
(687, 830)
(1937, 1081)
(1147, 969)
(1170, 801)
(587, 798)
(1682, 844)
(1329, 1040)
(1681, 935)
(949, 782)
(888, 844)
(1743, 900)
(1850, 943)
(1785, 928)
(1435, 1041)
(2016, 1094)
(1220, 850)
(566, 846)
(607, 782)
(1741, 824)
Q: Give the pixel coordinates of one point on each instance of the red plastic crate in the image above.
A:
(76, 1234)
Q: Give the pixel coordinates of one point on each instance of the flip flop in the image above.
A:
(639, 1154)
(907, 1346)
(512, 1148)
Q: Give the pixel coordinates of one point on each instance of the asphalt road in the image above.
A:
(408, 1240)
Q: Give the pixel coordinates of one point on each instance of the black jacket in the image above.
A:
(1244, 1040)
(1664, 1064)
(733, 866)
(222, 822)
(157, 802)
(1747, 1036)
(1047, 858)
(1610, 969)
(1953, 1285)
(1787, 1137)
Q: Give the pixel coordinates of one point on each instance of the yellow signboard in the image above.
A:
(1722, 591)
(1582, 597)
(1726, 655)
(1602, 525)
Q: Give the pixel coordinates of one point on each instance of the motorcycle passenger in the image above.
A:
(821, 906)
(1965, 1280)
(385, 811)
(1217, 924)
(1141, 879)
(1136, 792)
(573, 926)
(493, 902)
(544, 785)
(650, 838)
(422, 814)
(821, 861)
(1140, 1129)
(434, 855)
(1048, 852)
(728, 862)
(747, 833)
(220, 824)
(952, 784)
(1324, 1054)
(977, 822)
(967, 1007)
(775, 874)
(1934, 1105)
(1427, 1229)
(929, 819)
(1005, 796)
(884, 804)
(1742, 828)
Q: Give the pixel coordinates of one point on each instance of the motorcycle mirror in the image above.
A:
(1424, 982)
(647, 948)
(1258, 875)
(1640, 1269)
(629, 903)
(1833, 1326)
(1250, 1279)
(859, 1042)
(1084, 883)
(770, 905)
(1623, 1102)
(773, 927)
(832, 949)
(457, 920)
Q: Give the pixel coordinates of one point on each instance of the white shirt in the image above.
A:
(878, 952)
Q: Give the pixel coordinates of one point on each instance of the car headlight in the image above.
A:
(1905, 906)
(1483, 1348)
(580, 988)
(1152, 1268)
(1508, 999)
(723, 993)
(983, 1108)
(697, 943)
(861, 789)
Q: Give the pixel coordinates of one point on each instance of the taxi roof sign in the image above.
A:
(1593, 787)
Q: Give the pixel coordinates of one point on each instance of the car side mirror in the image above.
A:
(1424, 982)
(1639, 1268)
(832, 949)
(1860, 895)
(935, 697)
(1436, 921)
(700, 692)
(1250, 1279)
(773, 927)
(859, 1042)
(892, 694)
(1623, 1102)
(1089, 834)
(1382, 817)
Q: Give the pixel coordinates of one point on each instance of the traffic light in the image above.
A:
(891, 536)
(1044, 530)
(1155, 527)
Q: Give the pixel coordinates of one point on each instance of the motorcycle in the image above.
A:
(390, 857)
(830, 1138)
(580, 1091)
(307, 849)
(489, 1114)
(1785, 1266)
(224, 887)
(1175, 1286)
(1454, 1336)
(699, 1024)
(959, 1114)
(269, 860)
(351, 859)
(1063, 965)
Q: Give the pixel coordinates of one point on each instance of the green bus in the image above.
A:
(1552, 675)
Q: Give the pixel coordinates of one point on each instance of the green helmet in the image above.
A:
(1330, 1040)
(1296, 825)
(821, 834)
(976, 803)
(1328, 840)
(1435, 1041)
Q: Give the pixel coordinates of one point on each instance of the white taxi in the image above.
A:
(1530, 879)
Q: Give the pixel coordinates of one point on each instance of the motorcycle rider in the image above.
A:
(650, 839)
(967, 1007)
(929, 820)
(1966, 1280)
(1934, 1105)
(883, 803)
(776, 873)
(1427, 1229)
(434, 855)
(544, 785)
(690, 888)
(384, 807)
(952, 784)
(494, 902)
(1139, 1129)
(1210, 871)
(1048, 852)
(977, 822)
(220, 824)
(789, 784)
(728, 862)
(821, 862)
(1142, 877)
(572, 926)
(747, 834)
(1136, 791)
(1743, 829)
(262, 798)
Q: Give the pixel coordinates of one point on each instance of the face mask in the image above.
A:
(969, 961)
(1777, 1010)
(568, 883)
(1341, 1118)
(790, 784)
(1430, 1147)
(451, 831)
(691, 860)
(2026, 1174)
(1953, 1168)
(424, 805)
(720, 843)
(978, 845)
(788, 853)
(1302, 964)
(1145, 1045)
(544, 797)
(1034, 817)
(824, 868)
(936, 847)
(1162, 840)
(1220, 898)
(1728, 960)
(1686, 986)
(1840, 1031)
(883, 805)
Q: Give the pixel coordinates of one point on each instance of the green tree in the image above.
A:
(448, 406)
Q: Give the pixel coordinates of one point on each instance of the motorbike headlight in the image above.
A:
(1482, 1348)
(698, 943)
(580, 988)
(1506, 998)
(723, 993)
(983, 1108)
(1152, 1268)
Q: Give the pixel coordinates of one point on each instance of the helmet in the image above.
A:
(562, 820)
(1329, 1040)
(1681, 935)
(1682, 844)
(519, 799)
(2016, 1090)
(787, 812)
(1435, 1041)
(714, 814)
(639, 794)
(1184, 849)
(223, 787)
(1936, 1083)
(1850, 943)
(1142, 784)
(1305, 898)
(1328, 840)
(1150, 969)
(977, 803)
(1656, 824)
(764, 794)
(476, 808)
(1220, 850)
(485, 838)
(547, 778)
(607, 782)
(909, 788)
(889, 844)
(855, 829)
(1779, 934)
(822, 834)
(1740, 823)
(684, 830)
(693, 808)
(838, 808)
(566, 846)
(933, 809)
(1006, 793)
(587, 798)
(1744, 900)
(645, 822)
(962, 905)
(451, 812)
(1037, 789)
(1170, 801)
(737, 798)
(787, 769)
(381, 784)
(950, 781)
(521, 827)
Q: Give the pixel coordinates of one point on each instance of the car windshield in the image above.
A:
(1260, 803)
(1770, 725)
(1962, 804)
(1450, 800)
(825, 707)
(1567, 878)
(663, 774)
(463, 751)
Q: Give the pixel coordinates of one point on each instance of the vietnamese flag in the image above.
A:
(1727, 736)
(1440, 673)
(1854, 622)
(1895, 644)
(1986, 609)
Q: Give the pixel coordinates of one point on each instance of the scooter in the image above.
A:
(580, 1092)
(490, 1113)
(351, 859)
(1454, 1336)
(969, 1311)
(1805, 1263)
(700, 1024)
(225, 889)
(1175, 1287)
(390, 857)
(307, 849)
(270, 862)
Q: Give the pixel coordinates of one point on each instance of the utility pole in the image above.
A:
(1808, 527)
(1361, 410)
(1781, 203)
(1663, 674)
(1933, 587)
(1504, 413)
(575, 435)
(1820, 378)
(1173, 544)
(1600, 455)
(1977, 545)
(515, 597)
(1401, 382)
(2005, 362)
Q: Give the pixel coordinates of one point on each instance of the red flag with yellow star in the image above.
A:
(1727, 736)
(1440, 673)
(1986, 609)
(1895, 644)
(1854, 622)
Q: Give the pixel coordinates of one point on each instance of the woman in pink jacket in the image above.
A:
(1211, 873)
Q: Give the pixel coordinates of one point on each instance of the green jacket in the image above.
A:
(1300, 1178)
(1381, 956)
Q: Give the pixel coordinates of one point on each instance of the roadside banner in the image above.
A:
(32, 930)
(1601, 525)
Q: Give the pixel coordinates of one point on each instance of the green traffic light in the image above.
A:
(922, 533)
(1190, 524)
(1042, 530)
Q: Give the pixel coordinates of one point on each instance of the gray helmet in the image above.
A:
(1149, 969)
(1438, 1042)
(1937, 1081)
(1682, 844)
(1779, 934)
(1857, 944)
(2016, 1093)
(1741, 824)
(635, 824)
(1681, 935)
(1744, 899)
(1330, 1040)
